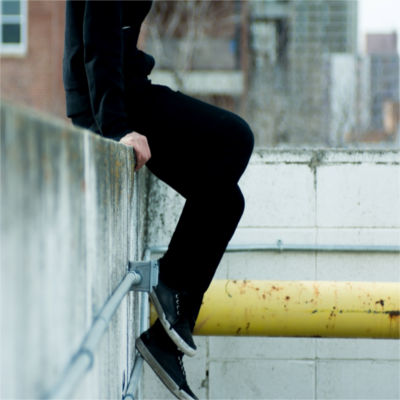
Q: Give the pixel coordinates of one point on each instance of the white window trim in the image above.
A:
(20, 49)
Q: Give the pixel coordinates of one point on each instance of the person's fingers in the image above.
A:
(142, 157)
(140, 146)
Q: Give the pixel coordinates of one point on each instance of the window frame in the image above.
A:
(15, 49)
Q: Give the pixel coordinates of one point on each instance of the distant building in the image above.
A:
(376, 98)
(295, 76)
(381, 43)
(340, 107)
(383, 63)
(205, 56)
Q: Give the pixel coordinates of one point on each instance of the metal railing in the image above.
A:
(82, 360)
(141, 277)
(281, 247)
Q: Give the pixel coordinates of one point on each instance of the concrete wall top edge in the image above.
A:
(59, 124)
(29, 112)
(320, 156)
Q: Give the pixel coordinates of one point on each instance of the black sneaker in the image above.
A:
(166, 361)
(171, 307)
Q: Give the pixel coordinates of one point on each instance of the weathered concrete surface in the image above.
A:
(69, 224)
(300, 196)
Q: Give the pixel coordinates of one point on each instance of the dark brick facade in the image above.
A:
(35, 79)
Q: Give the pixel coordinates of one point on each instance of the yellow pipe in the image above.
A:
(300, 309)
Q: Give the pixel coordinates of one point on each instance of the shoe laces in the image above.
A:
(178, 304)
(180, 362)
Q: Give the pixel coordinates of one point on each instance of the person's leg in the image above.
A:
(201, 151)
(155, 345)
(215, 224)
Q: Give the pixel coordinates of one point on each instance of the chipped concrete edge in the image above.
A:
(328, 155)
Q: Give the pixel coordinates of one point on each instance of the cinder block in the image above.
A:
(358, 195)
(153, 388)
(358, 349)
(261, 379)
(278, 196)
(364, 379)
(277, 156)
(340, 156)
(196, 368)
(272, 265)
(254, 235)
(233, 348)
(358, 236)
(358, 266)
(222, 270)
(367, 267)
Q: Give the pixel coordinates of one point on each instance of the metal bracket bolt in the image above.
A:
(148, 272)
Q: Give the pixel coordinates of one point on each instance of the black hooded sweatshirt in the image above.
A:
(101, 63)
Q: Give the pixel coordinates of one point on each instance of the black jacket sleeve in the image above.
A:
(103, 58)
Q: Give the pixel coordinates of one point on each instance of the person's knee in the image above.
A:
(226, 193)
(236, 203)
(243, 137)
(240, 202)
(239, 147)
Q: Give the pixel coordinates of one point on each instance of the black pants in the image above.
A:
(201, 151)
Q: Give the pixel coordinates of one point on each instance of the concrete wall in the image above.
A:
(301, 197)
(69, 224)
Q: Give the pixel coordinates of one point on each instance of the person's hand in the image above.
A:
(140, 146)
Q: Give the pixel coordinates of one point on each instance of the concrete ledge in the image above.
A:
(67, 231)
(322, 156)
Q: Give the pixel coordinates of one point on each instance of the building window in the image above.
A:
(13, 27)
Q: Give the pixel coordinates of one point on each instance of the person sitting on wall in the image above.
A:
(198, 149)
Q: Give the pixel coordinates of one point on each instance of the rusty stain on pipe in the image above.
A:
(300, 309)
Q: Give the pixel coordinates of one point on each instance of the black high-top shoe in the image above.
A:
(166, 361)
(171, 307)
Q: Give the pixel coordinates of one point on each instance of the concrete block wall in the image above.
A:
(304, 196)
(69, 224)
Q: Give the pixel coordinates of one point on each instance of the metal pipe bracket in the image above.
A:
(148, 272)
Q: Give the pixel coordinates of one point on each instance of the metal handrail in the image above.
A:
(82, 361)
(135, 378)
(137, 369)
(280, 246)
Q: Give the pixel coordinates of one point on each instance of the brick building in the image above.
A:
(31, 54)
(32, 39)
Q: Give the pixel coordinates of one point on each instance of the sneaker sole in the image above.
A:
(160, 372)
(182, 345)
